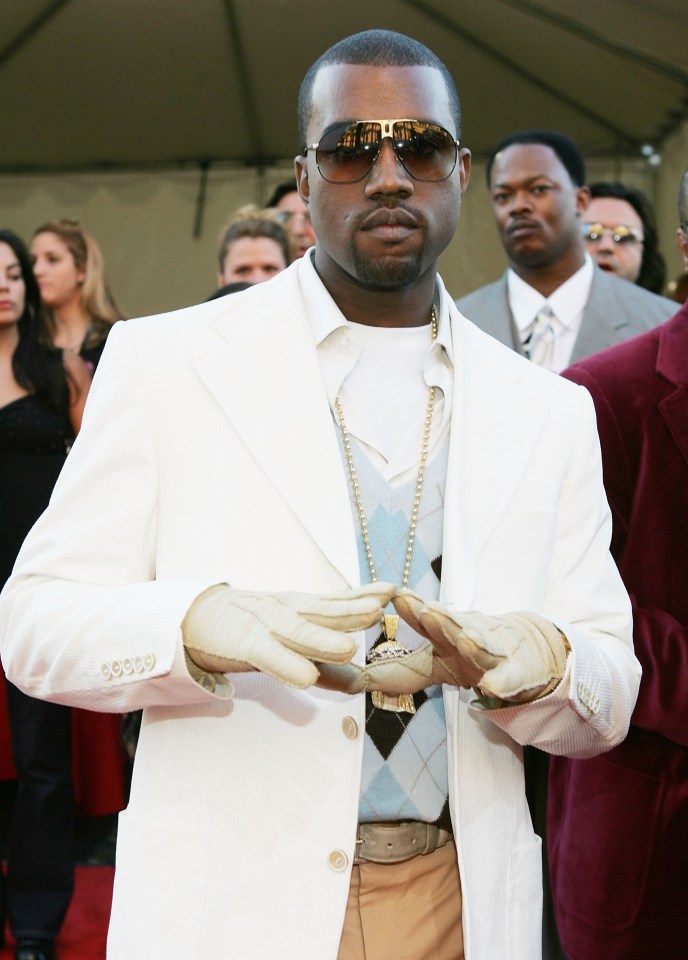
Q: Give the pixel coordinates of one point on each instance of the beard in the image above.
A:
(388, 273)
(393, 270)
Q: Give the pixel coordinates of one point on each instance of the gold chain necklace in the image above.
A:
(391, 649)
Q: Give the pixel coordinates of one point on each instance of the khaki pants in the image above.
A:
(405, 911)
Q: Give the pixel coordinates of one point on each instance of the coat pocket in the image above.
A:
(602, 853)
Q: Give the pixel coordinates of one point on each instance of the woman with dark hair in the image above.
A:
(42, 395)
(69, 268)
(620, 233)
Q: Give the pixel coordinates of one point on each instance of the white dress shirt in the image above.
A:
(567, 304)
(382, 375)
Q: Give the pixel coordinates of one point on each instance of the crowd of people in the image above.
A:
(230, 515)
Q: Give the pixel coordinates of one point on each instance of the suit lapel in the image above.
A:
(264, 374)
(496, 422)
(604, 318)
(672, 364)
(492, 313)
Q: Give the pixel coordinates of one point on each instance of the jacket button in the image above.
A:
(149, 661)
(338, 860)
(105, 671)
(350, 728)
(116, 667)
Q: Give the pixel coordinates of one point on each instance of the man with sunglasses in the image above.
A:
(324, 494)
(552, 305)
(619, 822)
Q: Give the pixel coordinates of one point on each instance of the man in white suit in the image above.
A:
(255, 479)
(553, 304)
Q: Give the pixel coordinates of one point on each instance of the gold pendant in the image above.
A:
(400, 703)
(390, 649)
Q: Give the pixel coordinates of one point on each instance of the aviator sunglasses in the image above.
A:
(619, 234)
(346, 153)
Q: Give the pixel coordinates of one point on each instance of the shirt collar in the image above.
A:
(567, 301)
(325, 316)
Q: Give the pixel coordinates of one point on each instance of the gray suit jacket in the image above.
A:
(616, 310)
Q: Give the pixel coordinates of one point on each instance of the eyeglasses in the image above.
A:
(619, 234)
(346, 153)
(285, 217)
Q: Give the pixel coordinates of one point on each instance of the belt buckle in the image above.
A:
(410, 841)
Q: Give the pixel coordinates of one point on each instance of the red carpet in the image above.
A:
(85, 929)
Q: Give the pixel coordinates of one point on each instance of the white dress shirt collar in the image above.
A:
(339, 348)
(567, 303)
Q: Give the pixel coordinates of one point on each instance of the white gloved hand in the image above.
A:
(516, 657)
(407, 674)
(234, 631)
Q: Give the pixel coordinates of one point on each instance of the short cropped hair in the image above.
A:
(375, 48)
(652, 274)
(252, 222)
(566, 150)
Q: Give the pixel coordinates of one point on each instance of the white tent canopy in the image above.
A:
(207, 89)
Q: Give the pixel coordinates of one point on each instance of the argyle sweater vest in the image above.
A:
(405, 775)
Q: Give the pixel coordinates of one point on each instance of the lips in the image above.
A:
(391, 218)
(522, 227)
(6, 305)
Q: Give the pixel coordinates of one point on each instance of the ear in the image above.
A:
(582, 199)
(464, 164)
(301, 174)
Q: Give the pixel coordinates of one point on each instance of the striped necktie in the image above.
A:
(538, 345)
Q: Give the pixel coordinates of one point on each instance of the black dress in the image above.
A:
(34, 441)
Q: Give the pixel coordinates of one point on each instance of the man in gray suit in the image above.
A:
(553, 304)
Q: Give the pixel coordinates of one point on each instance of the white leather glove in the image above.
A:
(234, 631)
(407, 674)
(517, 657)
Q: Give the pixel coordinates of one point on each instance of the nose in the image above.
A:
(259, 275)
(298, 224)
(521, 202)
(388, 175)
(605, 243)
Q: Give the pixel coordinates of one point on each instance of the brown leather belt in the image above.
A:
(397, 841)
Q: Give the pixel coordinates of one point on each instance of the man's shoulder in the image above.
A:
(231, 316)
(630, 360)
(609, 373)
(606, 285)
(484, 297)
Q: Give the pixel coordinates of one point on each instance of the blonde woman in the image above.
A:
(68, 266)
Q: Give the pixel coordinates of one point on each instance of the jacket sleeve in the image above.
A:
(83, 620)
(589, 712)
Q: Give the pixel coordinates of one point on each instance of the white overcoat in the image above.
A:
(208, 454)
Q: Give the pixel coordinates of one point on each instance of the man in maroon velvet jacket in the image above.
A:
(618, 824)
